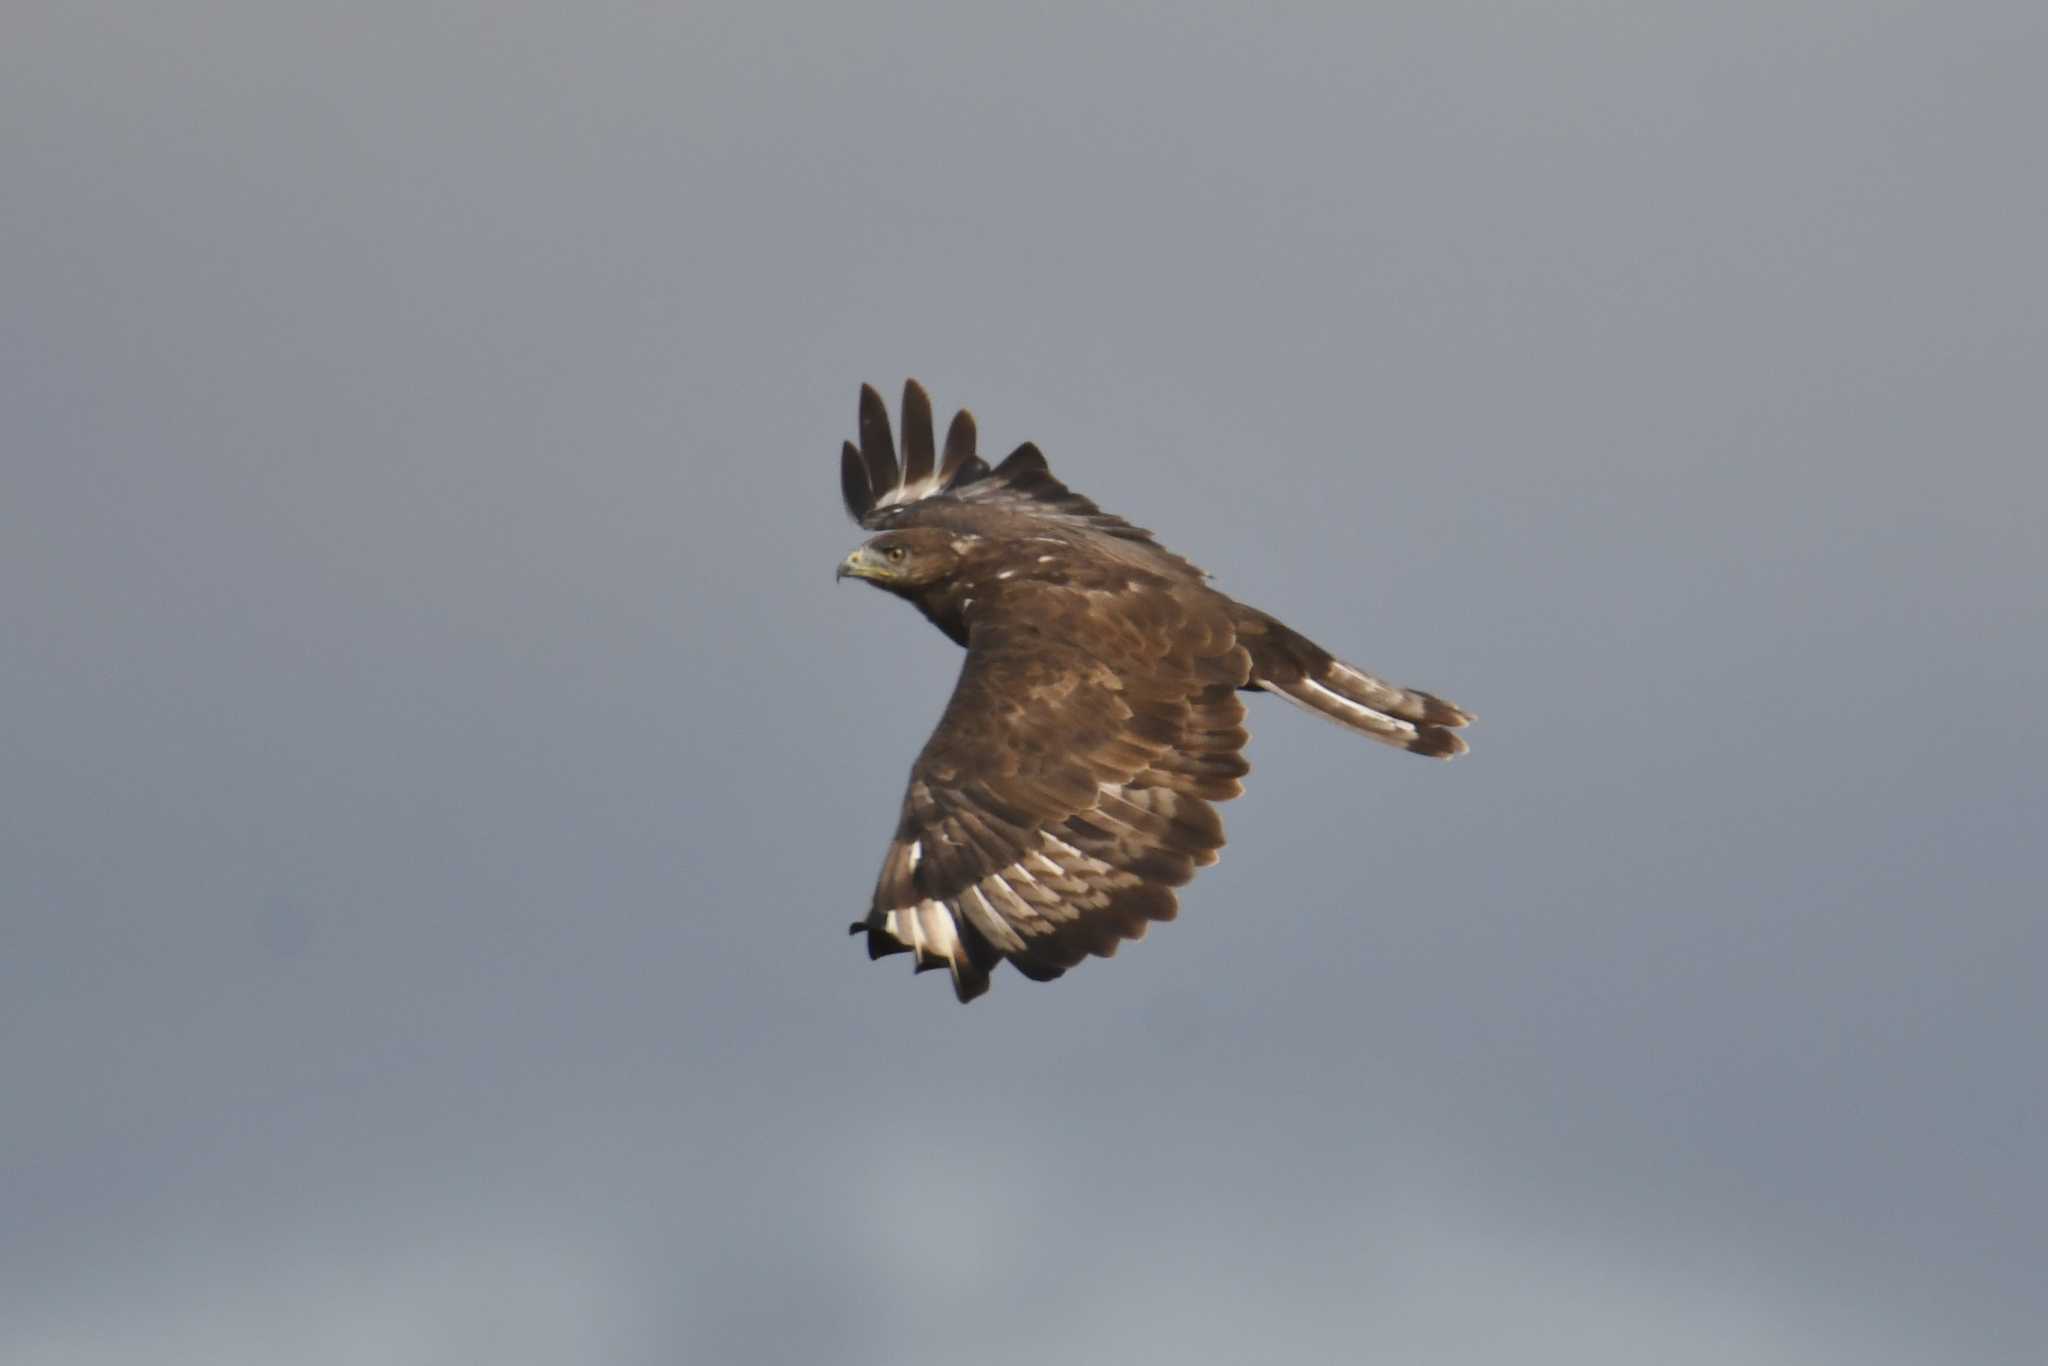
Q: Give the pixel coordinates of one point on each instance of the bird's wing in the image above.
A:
(1067, 789)
(882, 491)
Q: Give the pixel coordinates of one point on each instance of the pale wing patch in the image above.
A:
(928, 929)
(1055, 842)
(1027, 910)
(911, 492)
(978, 903)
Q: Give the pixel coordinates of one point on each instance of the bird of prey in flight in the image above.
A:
(1067, 790)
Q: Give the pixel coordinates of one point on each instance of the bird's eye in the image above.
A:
(894, 554)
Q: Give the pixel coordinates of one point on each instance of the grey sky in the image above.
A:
(437, 768)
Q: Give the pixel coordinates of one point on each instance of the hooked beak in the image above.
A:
(858, 565)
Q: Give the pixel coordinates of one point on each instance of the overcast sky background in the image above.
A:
(437, 768)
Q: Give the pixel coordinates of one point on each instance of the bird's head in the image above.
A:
(905, 560)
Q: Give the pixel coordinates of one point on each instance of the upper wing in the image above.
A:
(1063, 796)
(880, 491)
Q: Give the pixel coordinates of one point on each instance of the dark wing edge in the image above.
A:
(870, 478)
(1043, 831)
(881, 491)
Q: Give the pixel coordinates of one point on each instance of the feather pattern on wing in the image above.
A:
(1060, 801)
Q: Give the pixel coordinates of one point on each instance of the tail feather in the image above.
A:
(1290, 665)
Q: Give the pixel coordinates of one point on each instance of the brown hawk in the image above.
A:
(1068, 787)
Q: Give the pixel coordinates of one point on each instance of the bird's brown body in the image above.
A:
(1068, 787)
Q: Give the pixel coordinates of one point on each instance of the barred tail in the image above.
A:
(1290, 665)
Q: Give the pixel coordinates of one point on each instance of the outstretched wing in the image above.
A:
(1064, 795)
(882, 491)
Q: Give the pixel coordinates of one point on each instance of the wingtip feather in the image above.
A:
(917, 433)
(853, 482)
(1026, 457)
(959, 453)
(877, 443)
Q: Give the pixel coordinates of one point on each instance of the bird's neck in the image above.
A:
(947, 606)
